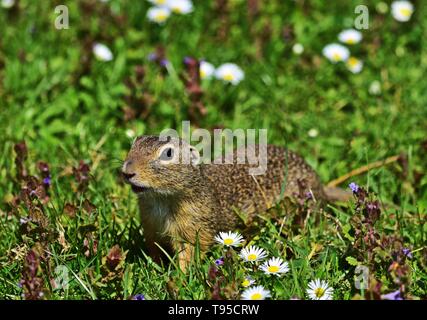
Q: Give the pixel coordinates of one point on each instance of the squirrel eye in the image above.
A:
(167, 154)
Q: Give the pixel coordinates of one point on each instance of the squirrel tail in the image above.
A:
(334, 194)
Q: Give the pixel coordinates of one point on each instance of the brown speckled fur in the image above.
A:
(183, 202)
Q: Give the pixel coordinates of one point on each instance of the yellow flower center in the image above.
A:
(406, 12)
(228, 241)
(252, 257)
(336, 56)
(351, 41)
(176, 10)
(273, 269)
(161, 17)
(228, 77)
(353, 62)
(203, 74)
(246, 283)
(256, 296)
(319, 292)
(161, 1)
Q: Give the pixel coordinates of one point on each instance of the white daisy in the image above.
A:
(252, 254)
(102, 52)
(382, 7)
(7, 3)
(402, 10)
(319, 290)
(350, 36)
(206, 70)
(275, 266)
(159, 3)
(180, 6)
(375, 88)
(313, 133)
(336, 52)
(230, 72)
(298, 48)
(158, 14)
(248, 281)
(229, 239)
(130, 133)
(354, 65)
(255, 293)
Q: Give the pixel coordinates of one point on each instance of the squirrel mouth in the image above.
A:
(137, 189)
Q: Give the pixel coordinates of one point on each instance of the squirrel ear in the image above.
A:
(195, 156)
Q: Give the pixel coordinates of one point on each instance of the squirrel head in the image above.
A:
(164, 165)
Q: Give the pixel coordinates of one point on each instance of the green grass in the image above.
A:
(67, 110)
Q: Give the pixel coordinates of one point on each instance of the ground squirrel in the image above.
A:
(180, 202)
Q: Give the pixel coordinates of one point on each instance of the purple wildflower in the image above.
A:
(212, 273)
(407, 252)
(164, 62)
(187, 60)
(152, 56)
(395, 295)
(31, 282)
(220, 261)
(354, 187)
(47, 181)
(138, 296)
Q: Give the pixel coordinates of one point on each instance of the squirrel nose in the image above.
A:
(127, 166)
(127, 171)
